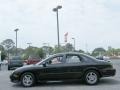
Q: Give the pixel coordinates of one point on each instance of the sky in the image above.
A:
(93, 23)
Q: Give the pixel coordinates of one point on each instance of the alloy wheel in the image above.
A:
(27, 79)
(91, 77)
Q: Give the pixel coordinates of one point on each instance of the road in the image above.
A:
(110, 83)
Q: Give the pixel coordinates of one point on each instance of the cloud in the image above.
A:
(90, 21)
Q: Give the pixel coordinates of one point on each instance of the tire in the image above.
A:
(27, 79)
(91, 77)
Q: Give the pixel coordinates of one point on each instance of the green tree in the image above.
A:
(30, 52)
(8, 44)
(33, 52)
(56, 50)
(98, 51)
(41, 53)
(3, 53)
(81, 51)
(69, 47)
(3, 56)
(117, 52)
(48, 50)
(65, 48)
(113, 52)
(51, 50)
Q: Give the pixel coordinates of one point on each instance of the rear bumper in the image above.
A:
(108, 72)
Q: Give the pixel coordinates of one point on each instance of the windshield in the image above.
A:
(44, 60)
(91, 57)
(40, 62)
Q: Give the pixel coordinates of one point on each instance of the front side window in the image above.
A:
(72, 59)
(56, 60)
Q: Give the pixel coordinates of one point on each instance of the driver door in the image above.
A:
(53, 69)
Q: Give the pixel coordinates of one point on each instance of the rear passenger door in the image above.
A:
(72, 67)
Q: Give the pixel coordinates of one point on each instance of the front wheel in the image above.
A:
(91, 77)
(27, 79)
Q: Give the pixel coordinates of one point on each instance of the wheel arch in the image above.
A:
(92, 68)
(35, 75)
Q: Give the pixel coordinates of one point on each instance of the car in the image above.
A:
(32, 61)
(64, 66)
(105, 58)
(99, 57)
(15, 62)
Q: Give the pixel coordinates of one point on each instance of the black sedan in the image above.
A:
(64, 66)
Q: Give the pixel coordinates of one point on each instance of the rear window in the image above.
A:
(87, 58)
(16, 58)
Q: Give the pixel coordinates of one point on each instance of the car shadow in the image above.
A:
(52, 83)
(109, 81)
(104, 81)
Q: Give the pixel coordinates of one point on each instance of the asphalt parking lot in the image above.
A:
(109, 83)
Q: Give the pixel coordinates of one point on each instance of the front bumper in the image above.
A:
(108, 72)
(14, 78)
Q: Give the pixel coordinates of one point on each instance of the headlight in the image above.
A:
(12, 72)
(15, 75)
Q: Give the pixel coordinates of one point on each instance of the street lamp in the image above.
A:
(74, 43)
(16, 39)
(29, 44)
(56, 10)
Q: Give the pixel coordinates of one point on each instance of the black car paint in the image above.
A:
(64, 71)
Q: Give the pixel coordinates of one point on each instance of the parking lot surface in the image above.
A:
(109, 83)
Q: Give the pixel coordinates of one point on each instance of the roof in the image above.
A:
(68, 53)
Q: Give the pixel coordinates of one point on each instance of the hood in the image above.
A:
(28, 67)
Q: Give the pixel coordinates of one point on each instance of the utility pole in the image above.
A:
(16, 30)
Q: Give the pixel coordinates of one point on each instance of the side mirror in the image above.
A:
(44, 64)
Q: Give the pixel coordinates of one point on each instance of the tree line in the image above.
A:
(8, 49)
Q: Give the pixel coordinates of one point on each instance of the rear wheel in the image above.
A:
(28, 79)
(91, 77)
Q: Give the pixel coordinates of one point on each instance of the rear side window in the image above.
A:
(86, 58)
(72, 59)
